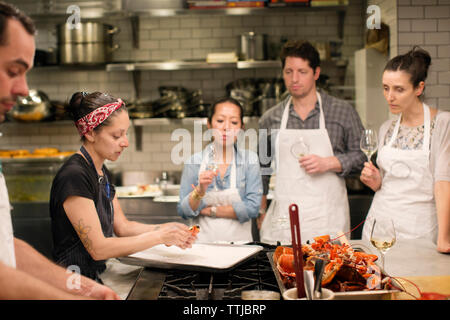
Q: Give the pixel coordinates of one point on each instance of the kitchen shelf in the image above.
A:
(232, 11)
(62, 16)
(191, 65)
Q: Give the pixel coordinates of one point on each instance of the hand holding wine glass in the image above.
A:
(383, 236)
(369, 143)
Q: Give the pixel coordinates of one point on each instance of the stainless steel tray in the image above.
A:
(201, 257)
(49, 159)
(350, 295)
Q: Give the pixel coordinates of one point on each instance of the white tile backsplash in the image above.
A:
(193, 37)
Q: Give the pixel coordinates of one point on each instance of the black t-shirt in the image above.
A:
(76, 178)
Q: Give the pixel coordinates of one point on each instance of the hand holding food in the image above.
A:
(176, 234)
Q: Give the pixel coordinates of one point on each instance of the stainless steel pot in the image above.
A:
(252, 46)
(89, 43)
(85, 32)
(86, 53)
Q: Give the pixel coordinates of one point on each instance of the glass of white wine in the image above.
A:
(282, 226)
(369, 143)
(212, 163)
(300, 149)
(383, 236)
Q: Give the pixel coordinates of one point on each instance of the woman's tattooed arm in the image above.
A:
(83, 233)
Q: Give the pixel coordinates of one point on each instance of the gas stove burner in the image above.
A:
(255, 274)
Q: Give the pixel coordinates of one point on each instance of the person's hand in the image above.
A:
(205, 178)
(260, 220)
(170, 224)
(371, 176)
(314, 164)
(176, 234)
(443, 246)
(206, 211)
(95, 290)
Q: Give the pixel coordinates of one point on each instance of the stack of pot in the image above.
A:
(86, 43)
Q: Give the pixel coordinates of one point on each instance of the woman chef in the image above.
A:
(84, 210)
(222, 202)
(413, 183)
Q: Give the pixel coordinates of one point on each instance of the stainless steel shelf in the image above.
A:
(61, 17)
(191, 65)
(231, 11)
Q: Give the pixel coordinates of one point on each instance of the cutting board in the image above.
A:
(438, 284)
(201, 257)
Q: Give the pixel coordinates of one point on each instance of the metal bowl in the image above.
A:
(33, 108)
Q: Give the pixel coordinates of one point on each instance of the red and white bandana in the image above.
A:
(96, 117)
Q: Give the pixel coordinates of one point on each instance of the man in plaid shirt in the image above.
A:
(302, 112)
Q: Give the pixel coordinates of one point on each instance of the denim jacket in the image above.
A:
(248, 180)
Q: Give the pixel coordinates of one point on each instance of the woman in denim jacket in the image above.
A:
(221, 186)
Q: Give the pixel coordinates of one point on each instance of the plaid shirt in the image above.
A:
(342, 123)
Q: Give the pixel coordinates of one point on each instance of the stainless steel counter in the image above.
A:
(406, 258)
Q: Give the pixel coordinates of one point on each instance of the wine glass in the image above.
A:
(300, 149)
(382, 236)
(211, 163)
(282, 226)
(369, 143)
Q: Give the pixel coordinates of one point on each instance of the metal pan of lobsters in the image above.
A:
(350, 273)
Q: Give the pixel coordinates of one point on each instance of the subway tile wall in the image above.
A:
(182, 37)
(427, 24)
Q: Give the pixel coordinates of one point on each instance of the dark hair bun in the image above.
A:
(74, 107)
(415, 62)
(420, 54)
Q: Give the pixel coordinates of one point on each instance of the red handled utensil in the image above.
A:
(297, 248)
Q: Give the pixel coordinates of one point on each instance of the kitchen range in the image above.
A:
(256, 278)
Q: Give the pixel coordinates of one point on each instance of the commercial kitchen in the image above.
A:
(169, 60)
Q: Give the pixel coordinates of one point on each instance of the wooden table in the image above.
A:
(437, 284)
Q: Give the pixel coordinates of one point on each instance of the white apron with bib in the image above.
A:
(321, 198)
(223, 229)
(7, 254)
(406, 194)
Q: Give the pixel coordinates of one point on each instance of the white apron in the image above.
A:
(321, 198)
(7, 255)
(406, 194)
(223, 229)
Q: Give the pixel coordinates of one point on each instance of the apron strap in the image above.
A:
(91, 162)
(426, 128)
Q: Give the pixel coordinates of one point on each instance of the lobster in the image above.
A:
(345, 270)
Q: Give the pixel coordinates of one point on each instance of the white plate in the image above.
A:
(166, 199)
(134, 192)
